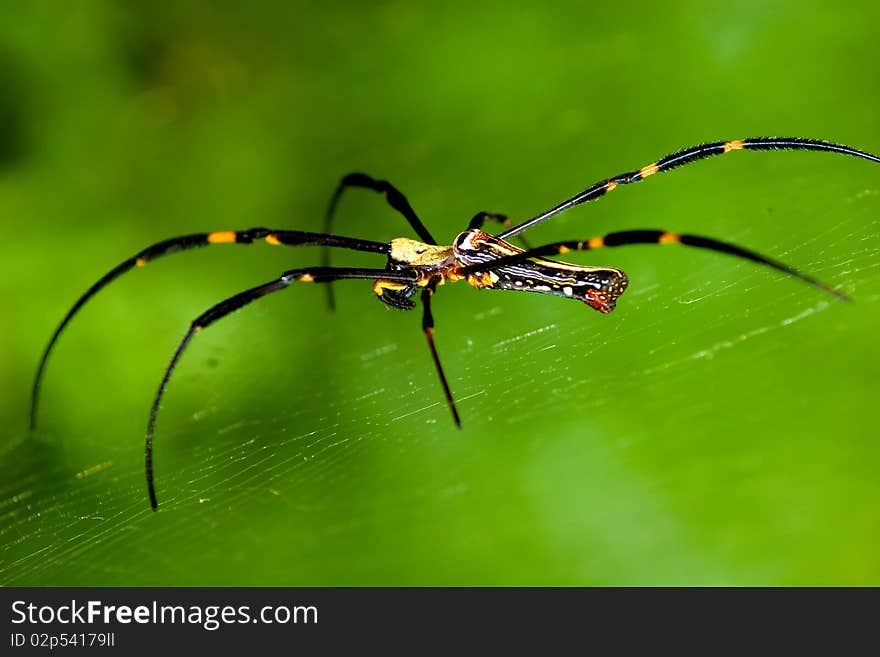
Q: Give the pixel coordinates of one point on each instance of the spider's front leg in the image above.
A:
(186, 243)
(233, 303)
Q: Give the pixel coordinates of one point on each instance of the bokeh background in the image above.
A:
(719, 428)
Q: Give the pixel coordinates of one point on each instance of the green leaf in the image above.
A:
(718, 428)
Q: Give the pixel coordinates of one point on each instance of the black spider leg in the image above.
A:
(428, 329)
(686, 156)
(184, 243)
(233, 303)
(626, 237)
(482, 217)
(395, 199)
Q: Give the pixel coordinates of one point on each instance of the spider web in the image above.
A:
(589, 448)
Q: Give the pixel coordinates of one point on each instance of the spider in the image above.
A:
(417, 267)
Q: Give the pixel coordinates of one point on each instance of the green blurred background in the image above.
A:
(718, 428)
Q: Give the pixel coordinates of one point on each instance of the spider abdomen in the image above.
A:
(598, 287)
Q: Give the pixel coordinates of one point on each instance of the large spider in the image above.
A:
(485, 261)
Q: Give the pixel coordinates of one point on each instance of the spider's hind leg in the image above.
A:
(481, 218)
(654, 236)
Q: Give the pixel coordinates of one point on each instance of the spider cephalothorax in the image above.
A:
(598, 287)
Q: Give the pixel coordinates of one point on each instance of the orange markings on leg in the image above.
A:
(221, 237)
(649, 170)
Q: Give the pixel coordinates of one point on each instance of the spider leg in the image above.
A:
(686, 156)
(233, 303)
(428, 329)
(482, 217)
(395, 199)
(625, 237)
(184, 243)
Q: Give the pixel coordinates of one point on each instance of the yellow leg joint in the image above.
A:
(221, 237)
(649, 170)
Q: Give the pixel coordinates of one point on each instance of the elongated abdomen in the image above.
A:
(598, 287)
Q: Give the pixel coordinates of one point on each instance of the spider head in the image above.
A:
(395, 294)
